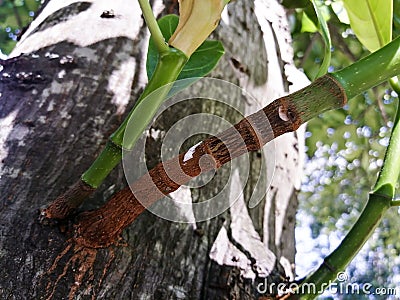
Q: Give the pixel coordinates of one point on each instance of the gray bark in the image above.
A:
(64, 91)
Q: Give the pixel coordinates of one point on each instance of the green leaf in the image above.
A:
(307, 25)
(202, 61)
(326, 37)
(371, 21)
(396, 18)
(309, 19)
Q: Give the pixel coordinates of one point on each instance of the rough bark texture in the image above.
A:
(58, 103)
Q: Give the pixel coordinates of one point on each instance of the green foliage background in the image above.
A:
(345, 149)
(14, 16)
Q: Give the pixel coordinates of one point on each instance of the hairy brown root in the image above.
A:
(81, 263)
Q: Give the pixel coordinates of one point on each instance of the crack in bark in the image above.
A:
(242, 249)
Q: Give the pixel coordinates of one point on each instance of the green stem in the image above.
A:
(378, 203)
(170, 64)
(167, 70)
(395, 203)
(338, 260)
(371, 70)
(154, 29)
(324, 31)
(389, 175)
(109, 157)
(395, 84)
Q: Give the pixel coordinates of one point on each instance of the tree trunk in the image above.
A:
(66, 89)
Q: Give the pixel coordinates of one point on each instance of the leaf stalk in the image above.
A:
(154, 29)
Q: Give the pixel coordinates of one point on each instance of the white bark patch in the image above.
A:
(42, 120)
(179, 291)
(270, 15)
(243, 230)
(126, 23)
(120, 84)
(51, 105)
(158, 7)
(155, 133)
(296, 77)
(288, 175)
(299, 80)
(54, 88)
(61, 74)
(190, 152)
(272, 11)
(285, 263)
(225, 16)
(19, 133)
(90, 54)
(223, 252)
(243, 233)
(183, 201)
(272, 19)
(6, 127)
(274, 86)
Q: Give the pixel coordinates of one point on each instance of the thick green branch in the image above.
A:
(326, 93)
(373, 69)
(389, 175)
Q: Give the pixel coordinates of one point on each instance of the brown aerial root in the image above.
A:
(67, 203)
(81, 263)
(283, 115)
(103, 227)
